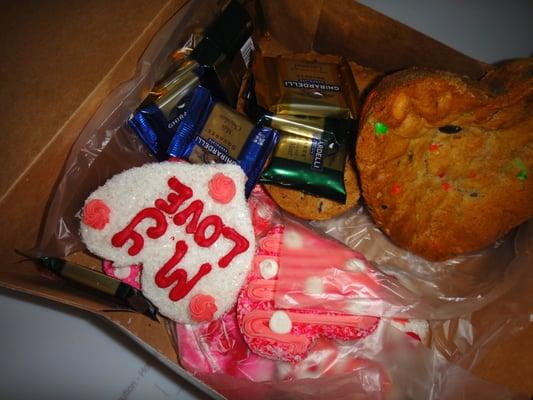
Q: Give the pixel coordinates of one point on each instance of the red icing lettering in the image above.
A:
(199, 235)
(174, 201)
(154, 232)
(165, 278)
(241, 245)
(195, 208)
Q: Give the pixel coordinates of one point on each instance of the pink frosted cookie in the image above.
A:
(130, 274)
(218, 347)
(287, 335)
(189, 227)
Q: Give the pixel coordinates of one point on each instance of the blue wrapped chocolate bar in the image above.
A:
(212, 132)
(157, 119)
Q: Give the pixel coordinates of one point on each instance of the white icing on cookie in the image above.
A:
(268, 268)
(190, 233)
(280, 322)
(355, 265)
(313, 286)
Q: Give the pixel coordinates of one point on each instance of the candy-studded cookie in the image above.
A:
(445, 162)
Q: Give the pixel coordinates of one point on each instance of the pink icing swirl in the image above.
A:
(96, 214)
(202, 307)
(222, 188)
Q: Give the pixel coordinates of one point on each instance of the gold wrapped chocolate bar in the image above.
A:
(305, 86)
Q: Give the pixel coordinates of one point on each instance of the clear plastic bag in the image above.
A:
(449, 288)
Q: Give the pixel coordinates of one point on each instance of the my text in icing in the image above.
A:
(206, 231)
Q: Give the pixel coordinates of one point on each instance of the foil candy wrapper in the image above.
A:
(158, 117)
(212, 132)
(288, 85)
(101, 283)
(310, 155)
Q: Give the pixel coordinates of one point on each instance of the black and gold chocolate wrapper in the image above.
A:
(120, 291)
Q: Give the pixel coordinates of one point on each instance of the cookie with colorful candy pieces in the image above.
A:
(188, 226)
(445, 161)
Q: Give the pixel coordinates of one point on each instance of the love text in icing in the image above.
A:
(205, 230)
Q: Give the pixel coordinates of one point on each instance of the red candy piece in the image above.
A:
(396, 189)
(433, 147)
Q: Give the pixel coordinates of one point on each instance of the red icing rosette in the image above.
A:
(222, 189)
(96, 214)
(202, 307)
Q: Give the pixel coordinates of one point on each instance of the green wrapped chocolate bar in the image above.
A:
(310, 155)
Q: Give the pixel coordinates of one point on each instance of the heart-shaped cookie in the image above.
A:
(188, 226)
(445, 161)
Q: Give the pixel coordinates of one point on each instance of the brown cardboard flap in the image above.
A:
(350, 29)
(292, 24)
(22, 207)
(374, 40)
(54, 56)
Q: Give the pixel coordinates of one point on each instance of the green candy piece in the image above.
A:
(522, 175)
(380, 128)
(518, 163)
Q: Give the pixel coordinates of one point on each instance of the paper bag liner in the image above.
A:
(323, 26)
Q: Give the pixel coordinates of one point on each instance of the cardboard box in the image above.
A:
(31, 168)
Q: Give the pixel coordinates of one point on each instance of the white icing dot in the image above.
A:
(355, 265)
(284, 368)
(357, 308)
(121, 273)
(268, 268)
(280, 322)
(292, 239)
(313, 285)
